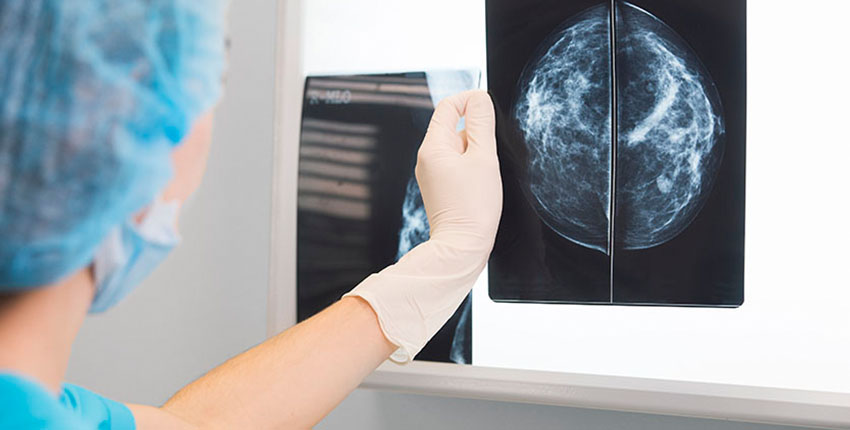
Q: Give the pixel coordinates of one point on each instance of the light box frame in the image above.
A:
(655, 396)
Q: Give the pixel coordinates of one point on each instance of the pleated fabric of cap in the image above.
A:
(94, 96)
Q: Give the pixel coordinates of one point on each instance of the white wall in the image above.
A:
(207, 302)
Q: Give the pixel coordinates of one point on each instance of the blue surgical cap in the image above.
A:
(94, 96)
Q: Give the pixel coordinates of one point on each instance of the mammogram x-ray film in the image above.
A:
(622, 144)
(359, 206)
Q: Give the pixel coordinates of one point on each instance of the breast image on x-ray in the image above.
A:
(621, 138)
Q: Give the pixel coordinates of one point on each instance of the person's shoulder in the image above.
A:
(25, 404)
(95, 409)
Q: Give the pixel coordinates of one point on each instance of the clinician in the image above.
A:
(105, 120)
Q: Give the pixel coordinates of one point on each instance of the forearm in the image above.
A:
(293, 379)
(296, 378)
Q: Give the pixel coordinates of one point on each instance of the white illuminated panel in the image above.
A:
(793, 330)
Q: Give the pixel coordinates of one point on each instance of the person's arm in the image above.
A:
(290, 381)
(294, 379)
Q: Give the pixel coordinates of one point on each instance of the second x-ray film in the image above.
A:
(359, 206)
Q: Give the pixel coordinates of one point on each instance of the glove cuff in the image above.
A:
(416, 296)
(405, 350)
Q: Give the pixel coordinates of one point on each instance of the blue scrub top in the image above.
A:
(26, 405)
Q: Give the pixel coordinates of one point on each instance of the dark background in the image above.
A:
(335, 253)
(703, 266)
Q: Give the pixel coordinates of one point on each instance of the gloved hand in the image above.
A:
(458, 175)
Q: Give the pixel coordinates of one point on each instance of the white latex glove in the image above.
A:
(458, 175)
